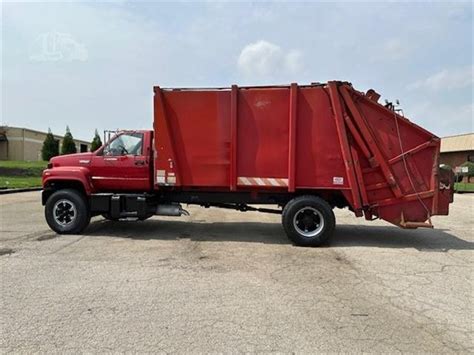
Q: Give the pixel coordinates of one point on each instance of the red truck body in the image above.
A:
(328, 139)
(230, 147)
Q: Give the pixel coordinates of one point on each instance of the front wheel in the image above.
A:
(66, 212)
(308, 221)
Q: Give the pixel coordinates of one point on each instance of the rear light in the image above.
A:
(50, 165)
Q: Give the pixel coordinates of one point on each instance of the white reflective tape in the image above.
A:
(260, 181)
(284, 182)
(244, 181)
(273, 182)
(161, 172)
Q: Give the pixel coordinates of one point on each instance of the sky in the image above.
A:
(93, 65)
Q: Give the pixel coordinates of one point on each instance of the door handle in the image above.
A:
(139, 162)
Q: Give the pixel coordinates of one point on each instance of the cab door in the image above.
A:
(123, 164)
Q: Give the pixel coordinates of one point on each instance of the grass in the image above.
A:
(464, 187)
(23, 164)
(21, 174)
(22, 168)
(17, 182)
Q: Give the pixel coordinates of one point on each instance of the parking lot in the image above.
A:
(225, 281)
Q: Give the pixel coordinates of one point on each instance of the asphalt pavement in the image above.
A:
(225, 281)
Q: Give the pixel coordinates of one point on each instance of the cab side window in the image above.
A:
(125, 144)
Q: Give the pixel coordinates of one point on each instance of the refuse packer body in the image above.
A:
(304, 148)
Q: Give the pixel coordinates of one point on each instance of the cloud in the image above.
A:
(448, 79)
(293, 61)
(263, 59)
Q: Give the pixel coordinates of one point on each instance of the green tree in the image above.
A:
(50, 147)
(96, 142)
(470, 168)
(68, 146)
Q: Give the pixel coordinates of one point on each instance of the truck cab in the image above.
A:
(122, 165)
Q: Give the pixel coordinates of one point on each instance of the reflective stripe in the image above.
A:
(273, 182)
(259, 181)
(244, 181)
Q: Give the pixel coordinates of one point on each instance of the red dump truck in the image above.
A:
(305, 149)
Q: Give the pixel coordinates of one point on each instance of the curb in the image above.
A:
(12, 191)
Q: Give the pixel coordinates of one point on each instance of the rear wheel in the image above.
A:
(66, 212)
(308, 221)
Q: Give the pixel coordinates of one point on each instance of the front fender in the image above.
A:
(64, 175)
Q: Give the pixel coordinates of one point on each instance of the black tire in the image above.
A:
(66, 212)
(308, 221)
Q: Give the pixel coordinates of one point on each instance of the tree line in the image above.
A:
(51, 145)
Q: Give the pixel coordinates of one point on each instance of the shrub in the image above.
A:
(50, 147)
(68, 146)
(470, 168)
(96, 142)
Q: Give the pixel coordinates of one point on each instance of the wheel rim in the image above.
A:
(308, 222)
(64, 212)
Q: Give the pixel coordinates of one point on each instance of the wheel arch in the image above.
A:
(54, 184)
(336, 198)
